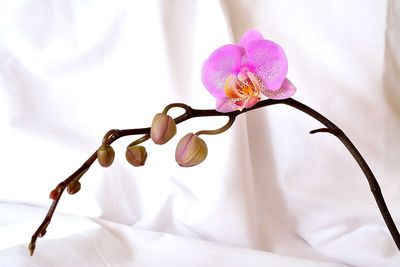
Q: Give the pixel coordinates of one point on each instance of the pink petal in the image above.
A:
(226, 105)
(230, 104)
(267, 60)
(251, 102)
(223, 62)
(248, 36)
(287, 90)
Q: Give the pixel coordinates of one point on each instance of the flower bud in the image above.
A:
(55, 193)
(136, 155)
(74, 187)
(190, 151)
(162, 129)
(105, 155)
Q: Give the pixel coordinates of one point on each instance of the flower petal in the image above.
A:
(223, 62)
(231, 104)
(226, 105)
(287, 90)
(248, 36)
(251, 101)
(267, 60)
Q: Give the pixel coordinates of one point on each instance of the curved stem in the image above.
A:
(140, 140)
(373, 183)
(114, 134)
(219, 130)
(176, 105)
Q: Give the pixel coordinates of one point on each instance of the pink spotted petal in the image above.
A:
(229, 104)
(287, 90)
(223, 62)
(226, 105)
(249, 36)
(251, 102)
(267, 60)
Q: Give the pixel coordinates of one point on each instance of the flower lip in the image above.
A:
(243, 90)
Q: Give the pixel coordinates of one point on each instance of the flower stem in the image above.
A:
(219, 130)
(140, 140)
(190, 113)
(175, 105)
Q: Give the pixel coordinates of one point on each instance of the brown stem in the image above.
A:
(219, 130)
(114, 134)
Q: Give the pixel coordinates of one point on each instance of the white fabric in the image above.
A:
(268, 194)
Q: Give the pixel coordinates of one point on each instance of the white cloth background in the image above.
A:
(269, 194)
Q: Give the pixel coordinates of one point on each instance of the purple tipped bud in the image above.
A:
(163, 128)
(190, 151)
(136, 155)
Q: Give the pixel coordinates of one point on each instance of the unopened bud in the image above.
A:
(190, 151)
(105, 155)
(136, 155)
(55, 193)
(163, 128)
(74, 187)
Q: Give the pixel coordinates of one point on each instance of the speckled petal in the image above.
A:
(287, 90)
(223, 62)
(251, 101)
(267, 60)
(225, 105)
(248, 36)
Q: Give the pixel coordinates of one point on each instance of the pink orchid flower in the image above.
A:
(237, 75)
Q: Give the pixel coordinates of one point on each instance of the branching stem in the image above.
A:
(190, 113)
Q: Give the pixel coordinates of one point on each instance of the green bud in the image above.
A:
(74, 187)
(105, 155)
(136, 155)
(162, 129)
(190, 151)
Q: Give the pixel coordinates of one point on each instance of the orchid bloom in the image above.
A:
(237, 75)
